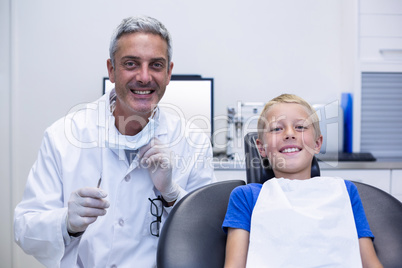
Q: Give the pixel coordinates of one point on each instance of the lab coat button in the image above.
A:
(127, 178)
(121, 222)
(113, 266)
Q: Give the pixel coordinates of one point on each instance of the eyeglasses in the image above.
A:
(156, 210)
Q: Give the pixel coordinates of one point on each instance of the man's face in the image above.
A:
(140, 73)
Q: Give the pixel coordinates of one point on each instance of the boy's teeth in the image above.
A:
(291, 150)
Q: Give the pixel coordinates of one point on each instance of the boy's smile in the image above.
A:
(289, 141)
(290, 149)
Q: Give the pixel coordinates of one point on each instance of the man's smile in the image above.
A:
(142, 92)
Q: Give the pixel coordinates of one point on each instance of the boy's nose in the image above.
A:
(289, 133)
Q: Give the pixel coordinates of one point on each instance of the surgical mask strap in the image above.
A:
(154, 111)
(112, 100)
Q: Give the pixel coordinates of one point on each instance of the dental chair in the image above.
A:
(192, 236)
(383, 211)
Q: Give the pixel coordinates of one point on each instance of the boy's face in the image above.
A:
(289, 141)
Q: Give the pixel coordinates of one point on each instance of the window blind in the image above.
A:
(381, 114)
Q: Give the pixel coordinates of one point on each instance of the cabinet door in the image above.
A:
(380, 22)
(396, 183)
(380, 6)
(379, 178)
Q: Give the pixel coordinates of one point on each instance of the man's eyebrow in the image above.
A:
(159, 59)
(139, 58)
(130, 58)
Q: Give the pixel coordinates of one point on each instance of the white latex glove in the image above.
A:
(84, 207)
(157, 158)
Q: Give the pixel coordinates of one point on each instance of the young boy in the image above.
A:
(294, 220)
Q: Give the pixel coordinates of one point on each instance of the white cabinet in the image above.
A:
(381, 49)
(379, 178)
(380, 25)
(380, 31)
(381, 6)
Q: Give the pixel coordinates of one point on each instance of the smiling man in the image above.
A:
(141, 69)
(104, 205)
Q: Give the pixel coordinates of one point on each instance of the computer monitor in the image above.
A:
(188, 96)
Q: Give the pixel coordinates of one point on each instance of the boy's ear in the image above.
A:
(260, 146)
(318, 144)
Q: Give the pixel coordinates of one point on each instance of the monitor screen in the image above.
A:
(187, 96)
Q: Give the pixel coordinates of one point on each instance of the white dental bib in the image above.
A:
(303, 223)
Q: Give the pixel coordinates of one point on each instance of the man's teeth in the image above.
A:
(142, 92)
(290, 150)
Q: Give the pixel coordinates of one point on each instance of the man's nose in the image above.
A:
(143, 75)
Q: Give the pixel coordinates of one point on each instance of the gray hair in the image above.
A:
(143, 24)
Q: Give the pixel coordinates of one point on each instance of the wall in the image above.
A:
(5, 137)
(255, 50)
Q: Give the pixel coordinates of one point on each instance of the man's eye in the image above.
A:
(157, 65)
(275, 129)
(301, 127)
(129, 64)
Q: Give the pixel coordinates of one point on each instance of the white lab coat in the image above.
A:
(121, 237)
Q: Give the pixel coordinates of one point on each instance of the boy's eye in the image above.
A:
(275, 129)
(301, 127)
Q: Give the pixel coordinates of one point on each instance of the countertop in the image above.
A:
(381, 163)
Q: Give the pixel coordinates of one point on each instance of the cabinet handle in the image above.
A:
(389, 50)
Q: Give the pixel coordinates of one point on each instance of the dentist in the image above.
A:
(108, 174)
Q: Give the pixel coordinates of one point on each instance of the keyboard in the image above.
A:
(346, 157)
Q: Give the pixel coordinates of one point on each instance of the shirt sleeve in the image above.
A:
(39, 217)
(362, 225)
(240, 209)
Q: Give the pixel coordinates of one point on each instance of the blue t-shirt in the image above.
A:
(243, 198)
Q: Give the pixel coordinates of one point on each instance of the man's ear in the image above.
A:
(170, 71)
(318, 144)
(110, 70)
(261, 148)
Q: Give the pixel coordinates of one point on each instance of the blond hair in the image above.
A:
(288, 98)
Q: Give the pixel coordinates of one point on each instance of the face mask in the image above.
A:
(115, 140)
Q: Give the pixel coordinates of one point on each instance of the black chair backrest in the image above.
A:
(258, 170)
(192, 236)
(384, 214)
